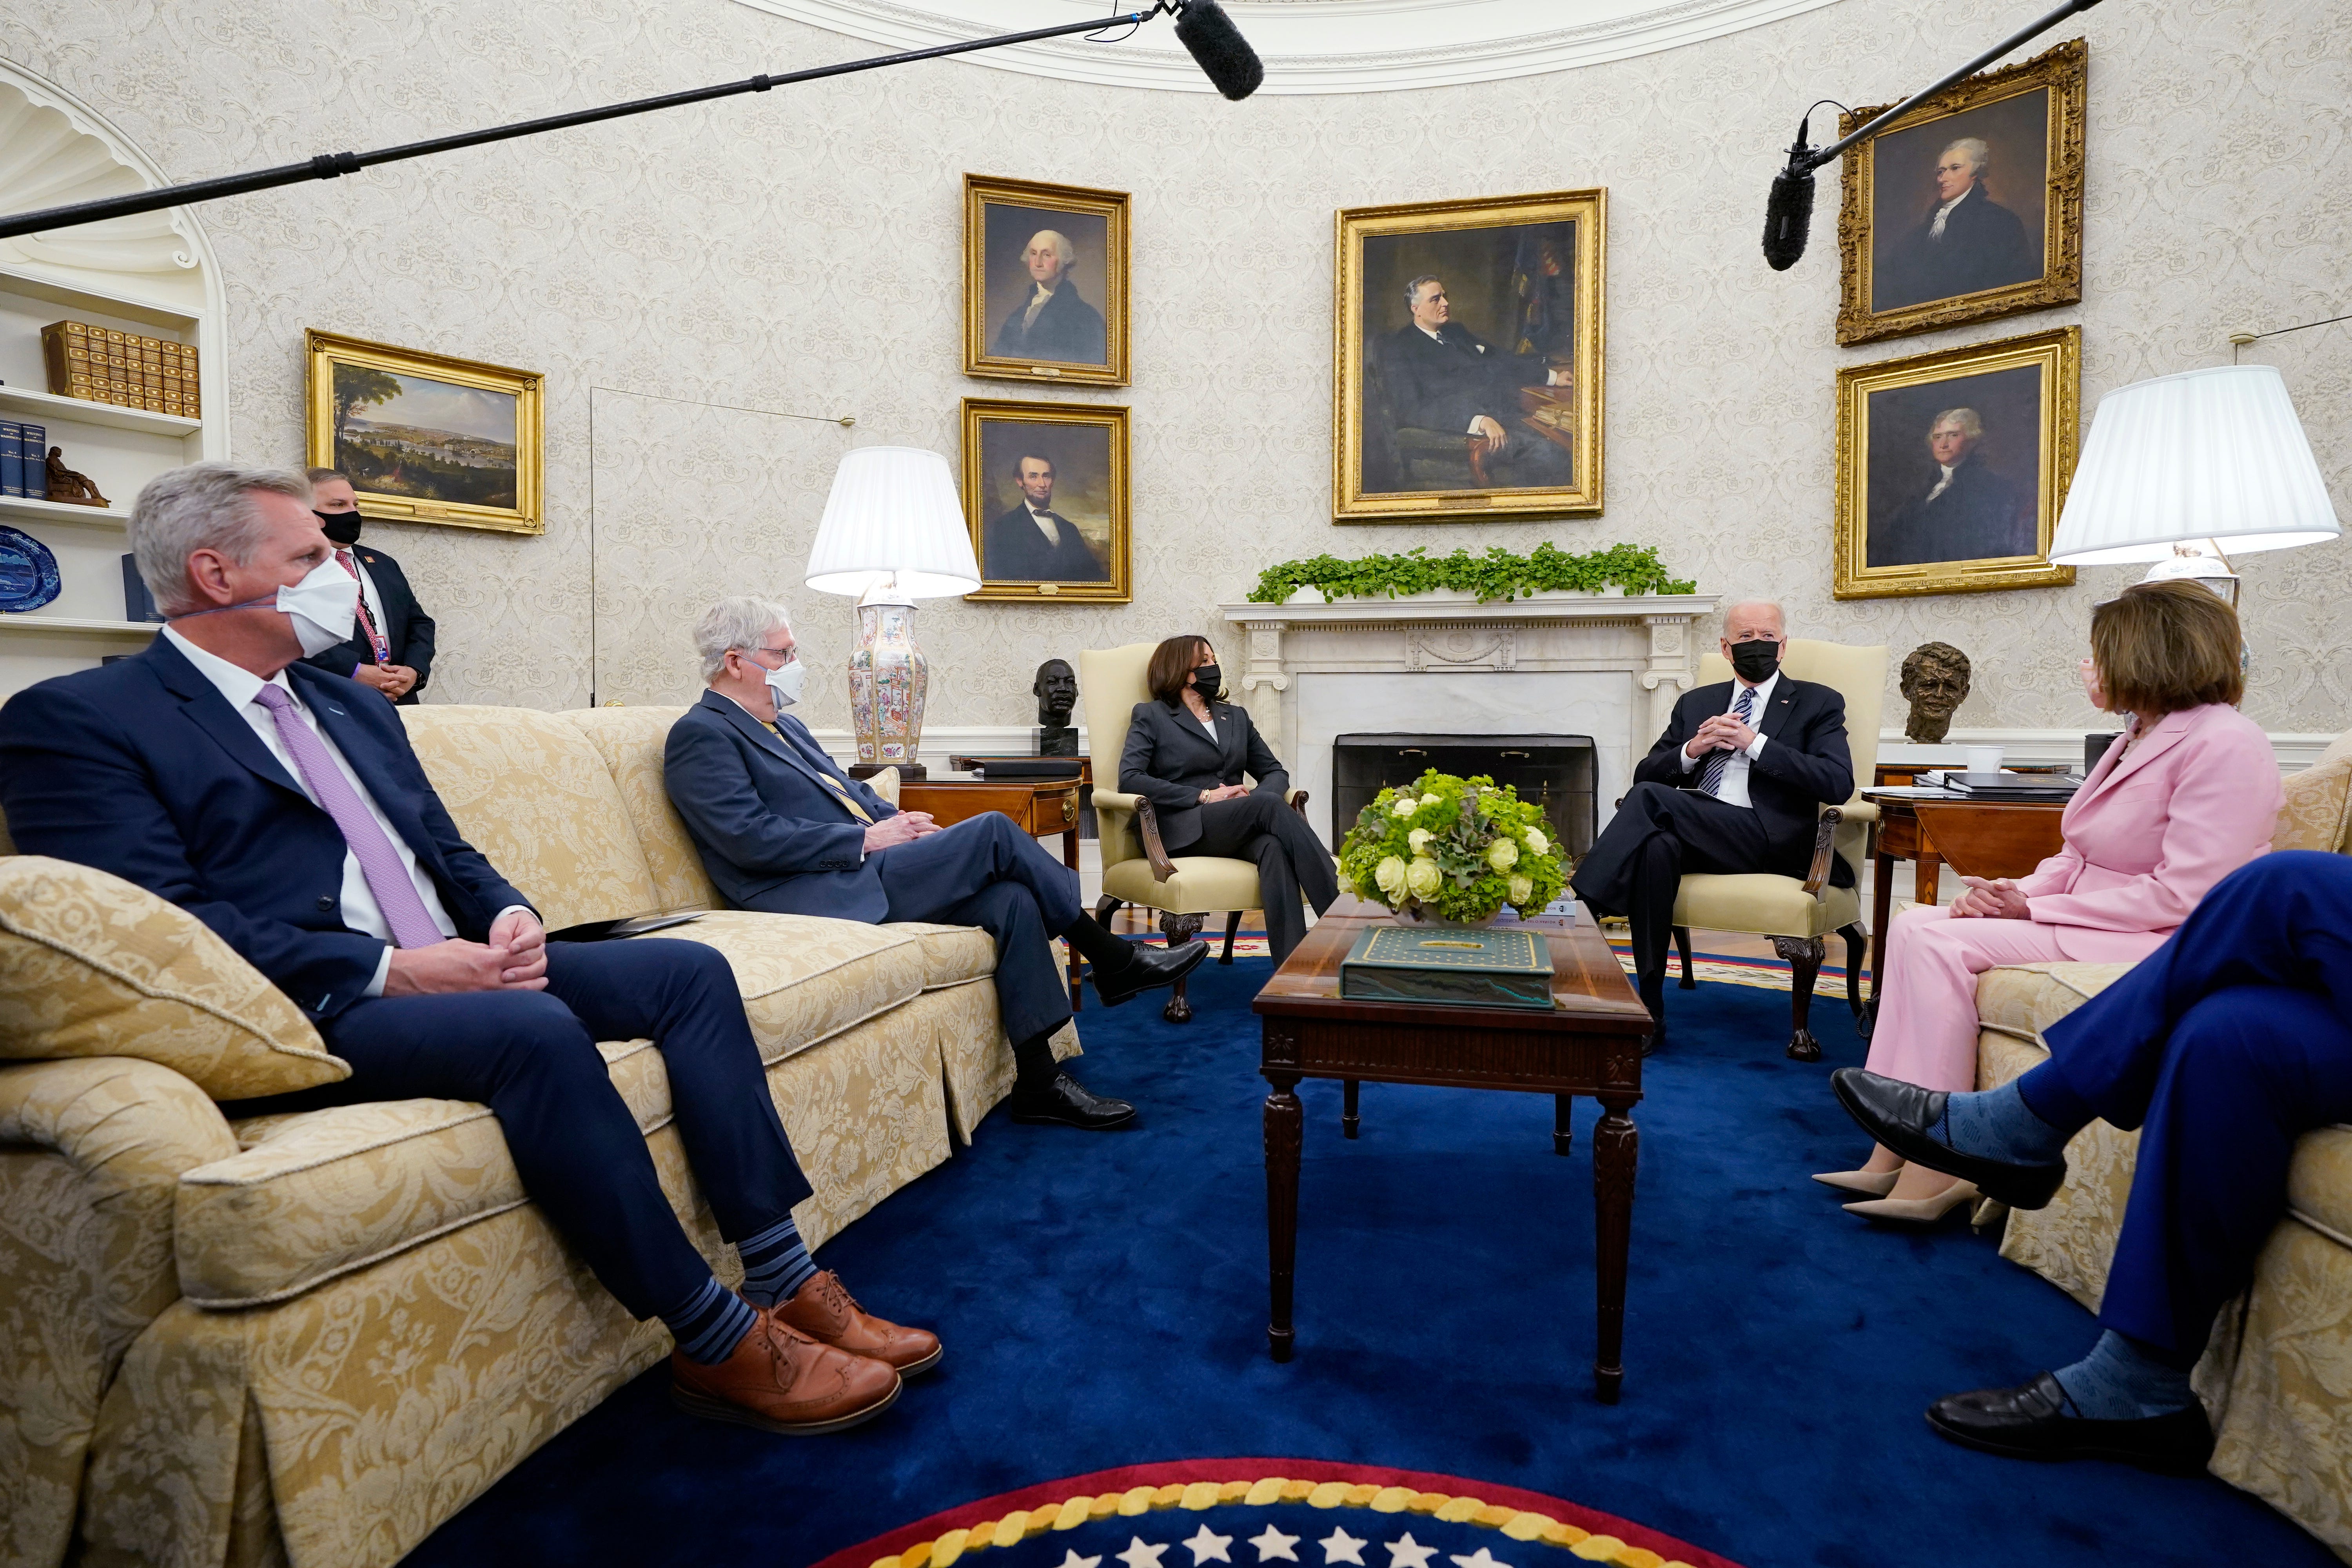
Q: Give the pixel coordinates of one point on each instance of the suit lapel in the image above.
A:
(367, 757)
(2155, 743)
(1777, 708)
(767, 739)
(204, 706)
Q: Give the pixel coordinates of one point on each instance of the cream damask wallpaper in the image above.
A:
(798, 252)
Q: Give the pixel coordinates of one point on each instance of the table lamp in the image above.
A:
(2186, 469)
(893, 532)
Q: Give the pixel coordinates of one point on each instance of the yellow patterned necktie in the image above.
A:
(832, 783)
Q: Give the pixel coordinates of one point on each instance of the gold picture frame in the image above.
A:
(1952, 467)
(1900, 278)
(1530, 275)
(1009, 330)
(438, 459)
(1079, 551)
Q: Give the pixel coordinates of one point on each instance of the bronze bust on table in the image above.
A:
(1057, 690)
(1935, 681)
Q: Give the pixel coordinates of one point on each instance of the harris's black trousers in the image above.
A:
(1263, 828)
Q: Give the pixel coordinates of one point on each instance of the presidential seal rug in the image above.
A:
(1246, 1513)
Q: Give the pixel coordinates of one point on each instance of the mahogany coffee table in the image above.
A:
(1590, 1043)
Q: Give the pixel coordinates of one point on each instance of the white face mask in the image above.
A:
(323, 606)
(784, 684)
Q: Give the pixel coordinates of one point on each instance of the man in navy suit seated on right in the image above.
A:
(783, 830)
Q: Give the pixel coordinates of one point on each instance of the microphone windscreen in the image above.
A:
(1788, 215)
(1218, 48)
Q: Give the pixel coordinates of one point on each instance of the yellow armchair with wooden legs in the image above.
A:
(1136, 869)
(1797, 914)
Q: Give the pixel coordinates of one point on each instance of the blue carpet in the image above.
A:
(1103, 1300)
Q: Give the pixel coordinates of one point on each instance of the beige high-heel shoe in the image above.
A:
(1870, 1184)
(1919, 1211)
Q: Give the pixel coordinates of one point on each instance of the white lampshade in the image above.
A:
(893, 513)
(2208, 454)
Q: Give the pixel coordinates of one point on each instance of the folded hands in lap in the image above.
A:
(903, 829)
(514, 959)
(1998, 901)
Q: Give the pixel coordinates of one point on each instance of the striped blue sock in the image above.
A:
(776, 1264)
(709, 1328)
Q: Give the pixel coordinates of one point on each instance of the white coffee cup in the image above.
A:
(1984, 759)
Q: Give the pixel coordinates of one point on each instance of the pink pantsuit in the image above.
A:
(2193, 800)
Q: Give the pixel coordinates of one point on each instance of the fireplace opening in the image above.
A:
(1556, 771)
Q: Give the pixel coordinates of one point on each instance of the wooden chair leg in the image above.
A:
(1858, 951)
(1682, 945)
(1232, 929)
(1179, 930)
(1349, 1119)
(1105, 906)
(1804, 956)
(1563, 1127)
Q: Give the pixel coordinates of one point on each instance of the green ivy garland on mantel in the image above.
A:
(1496, 574)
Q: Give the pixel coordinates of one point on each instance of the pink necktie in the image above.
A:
(387, 879)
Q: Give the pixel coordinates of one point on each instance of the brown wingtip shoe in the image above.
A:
(825, 1313)
(780, 1379)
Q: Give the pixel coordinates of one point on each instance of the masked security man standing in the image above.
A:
(391, 645)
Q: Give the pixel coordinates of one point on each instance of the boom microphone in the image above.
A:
(1789, 210)
(1218, 48)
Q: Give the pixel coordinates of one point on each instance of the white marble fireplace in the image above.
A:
(1569, 664)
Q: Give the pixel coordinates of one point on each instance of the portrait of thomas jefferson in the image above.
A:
(1955, 506)
(1053, 319)
(1959, 240)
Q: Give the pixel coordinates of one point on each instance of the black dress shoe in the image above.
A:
(1898, 1115)
(1153, 968)
(2030, 1422)
(1066, 1102)
(1653, 997)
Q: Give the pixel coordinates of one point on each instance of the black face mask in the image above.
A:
(1754, 662)
(1208, 680)
(341, 527)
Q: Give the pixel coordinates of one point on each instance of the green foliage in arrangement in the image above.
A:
(1458, 848)
(1496, 574)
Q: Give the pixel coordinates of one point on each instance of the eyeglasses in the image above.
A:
(783, 653)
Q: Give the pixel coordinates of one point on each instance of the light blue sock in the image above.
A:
(1999, 1125)
(776, 1264)
(710, 1327)
(2119, 1381)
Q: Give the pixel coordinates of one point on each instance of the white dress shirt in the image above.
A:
(1936, 229)
(350, 558)
(1732, 788)
(1037, 303)
(1209, 722)
(1943, 484)
(361, 912)
(1047, 524)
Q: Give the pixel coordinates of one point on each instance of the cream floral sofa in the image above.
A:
(2277, 1376)
(313, 1338)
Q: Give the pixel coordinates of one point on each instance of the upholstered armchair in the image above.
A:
(1136, 869)
(1798, 914)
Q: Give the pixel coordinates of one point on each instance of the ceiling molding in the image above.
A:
(1310, 45)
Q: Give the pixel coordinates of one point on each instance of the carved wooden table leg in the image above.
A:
(1178, 929)
(1615, 1146)
(1563, 1126)
(1284, 1125)
(1348, 1120)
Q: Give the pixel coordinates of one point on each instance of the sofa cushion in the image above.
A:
(2318, 810)
(528, 789)
(2319, 1182)
(805, 978)
(957, 955)
(1754, 902)
(630, 739)
(92, 965)
(2023, 999)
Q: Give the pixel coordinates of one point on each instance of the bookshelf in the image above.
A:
(154, 275)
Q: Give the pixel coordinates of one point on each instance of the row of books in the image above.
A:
(104, 364)
(24, 460)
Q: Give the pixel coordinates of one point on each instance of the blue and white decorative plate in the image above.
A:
(28, 573)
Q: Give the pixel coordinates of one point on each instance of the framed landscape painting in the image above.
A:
(1045, 491)
(1467, 358)
(1044, 281)
(427, 438)
(1971, 208)
(1952, 467)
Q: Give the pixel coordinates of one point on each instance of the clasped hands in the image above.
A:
(514, 959)
(1721, 732)
(1224, 792)
(2000, 901)
(904, 828)
(393, 679)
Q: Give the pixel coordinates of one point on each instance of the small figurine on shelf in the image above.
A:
(66, 486)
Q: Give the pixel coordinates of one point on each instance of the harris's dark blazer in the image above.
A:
(770, 835)
(407, 626)
(1979, 516)
(1170, 760)
(1985, 245)
(1013, 550)
(1443, 383)
(1806, 766)
(1066, 329)
(140, 768)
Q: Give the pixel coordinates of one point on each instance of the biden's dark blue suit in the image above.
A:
(2223, 1047)
(774, 835)
(143, 769)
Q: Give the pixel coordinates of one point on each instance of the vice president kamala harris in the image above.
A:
(1186, 752)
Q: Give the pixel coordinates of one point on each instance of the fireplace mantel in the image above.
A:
(1609, 666)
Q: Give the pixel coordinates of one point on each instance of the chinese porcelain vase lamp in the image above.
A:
(2187, 471)
(893, 533)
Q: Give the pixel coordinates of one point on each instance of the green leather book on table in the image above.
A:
(1460, 966)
